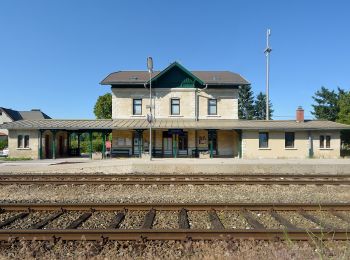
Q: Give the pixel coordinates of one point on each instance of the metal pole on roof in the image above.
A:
(267, 53)
(150, 117)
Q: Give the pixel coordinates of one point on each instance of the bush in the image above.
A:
(3, 144)
(84, 145)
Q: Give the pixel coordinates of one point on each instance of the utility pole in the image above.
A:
(267, 53)
(150, 116)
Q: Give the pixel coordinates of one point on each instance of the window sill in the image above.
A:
(286, 148)
(264, 148)
(213, 116)
(325, 149)
(176, 116)
(138, 116)
(23, 148)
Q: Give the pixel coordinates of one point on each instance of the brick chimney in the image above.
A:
(300, 114)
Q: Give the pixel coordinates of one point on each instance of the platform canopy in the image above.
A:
(176, 123)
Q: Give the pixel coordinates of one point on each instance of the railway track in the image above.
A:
(173, 221)
(174, 179)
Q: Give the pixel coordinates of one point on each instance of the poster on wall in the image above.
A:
(202, 140)
(127, 141)
(120, 141)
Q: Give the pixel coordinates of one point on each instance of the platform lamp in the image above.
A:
(150, 115)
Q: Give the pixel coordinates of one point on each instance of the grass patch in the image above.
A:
(16, 159)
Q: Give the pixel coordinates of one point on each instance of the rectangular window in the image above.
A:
(289, 140)
(137, 106)
(20, 141)
(328, 141)
(321, 141)
(175, 106)
(212, 106)
(263, 140)
(26, 141)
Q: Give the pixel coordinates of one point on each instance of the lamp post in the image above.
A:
(150, 115)
(267, 53)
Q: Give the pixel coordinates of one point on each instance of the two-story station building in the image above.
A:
(195, 112)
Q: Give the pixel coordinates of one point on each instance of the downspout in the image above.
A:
(197, 100)
(311, 148)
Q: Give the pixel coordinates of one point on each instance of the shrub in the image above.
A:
(3, 144)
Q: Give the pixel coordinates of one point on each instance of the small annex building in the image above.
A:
(194, 113)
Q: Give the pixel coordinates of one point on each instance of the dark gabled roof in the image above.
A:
(176, 123)
(175, 64)
(13, 114)
(34, 114)
(205, 77)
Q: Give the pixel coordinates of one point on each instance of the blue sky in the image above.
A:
(53, 54)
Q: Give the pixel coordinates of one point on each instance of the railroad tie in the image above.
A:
(282, 220)
(149, 218)
(183, 219)
(215, 221)
(117, 220)
(315, 220)
(14, 218)
(76, 223)
(44, 222)
(251, 220)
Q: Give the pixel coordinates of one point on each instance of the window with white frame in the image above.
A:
(175, 106)
(212, 107)
(325, 141)
(137, 106)
(23, 141)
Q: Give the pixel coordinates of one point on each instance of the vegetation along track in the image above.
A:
(173, 221)
(178, 179)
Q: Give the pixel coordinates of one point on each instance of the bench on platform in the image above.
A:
(118, 152)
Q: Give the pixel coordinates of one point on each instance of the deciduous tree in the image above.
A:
(344, 108)
(103, 107)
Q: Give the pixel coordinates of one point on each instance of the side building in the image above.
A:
(195, 113)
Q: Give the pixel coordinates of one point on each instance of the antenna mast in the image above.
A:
(267, 53)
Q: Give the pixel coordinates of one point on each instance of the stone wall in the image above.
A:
(31, 152)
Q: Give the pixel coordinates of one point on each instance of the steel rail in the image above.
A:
(170, 234)
(172, 206)
(178, 179)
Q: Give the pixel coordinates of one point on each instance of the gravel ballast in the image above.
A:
(166, 220)
(64, 220)
(171, 194)
(198, 220)
(133, 219)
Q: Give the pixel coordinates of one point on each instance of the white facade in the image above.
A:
(192, 102)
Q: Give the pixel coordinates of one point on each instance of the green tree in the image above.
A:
(260, 107)
(103, 107)
(344, 108)
(3, 143)
(246, 103)
(327, 103)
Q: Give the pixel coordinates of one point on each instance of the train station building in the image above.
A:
(195, 114)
